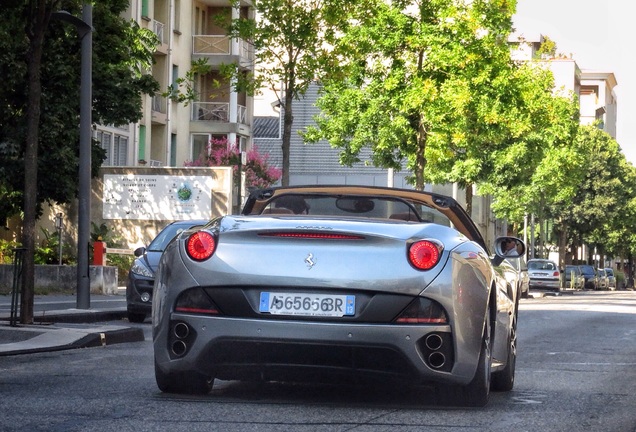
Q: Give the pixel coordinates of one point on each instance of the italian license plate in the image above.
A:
(307, 304)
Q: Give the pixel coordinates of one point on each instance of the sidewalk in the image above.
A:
(59, 325)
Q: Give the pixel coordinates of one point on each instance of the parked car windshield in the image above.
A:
(571, 268)
(541, 265)
(160, 242)
(588, 270)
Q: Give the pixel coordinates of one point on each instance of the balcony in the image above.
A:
(159, 110)
(158, 29)
(217, 112)
(221, 46)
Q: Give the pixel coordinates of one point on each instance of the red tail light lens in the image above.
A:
(423, 311)
(424, 254)
(201, 245)
(196, 301)
(556, 273)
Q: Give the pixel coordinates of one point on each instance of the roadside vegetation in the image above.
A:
(429, 87)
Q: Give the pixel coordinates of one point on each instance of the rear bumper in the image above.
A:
(553, 285)
(247, 349)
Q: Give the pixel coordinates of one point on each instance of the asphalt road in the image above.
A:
(576, 371)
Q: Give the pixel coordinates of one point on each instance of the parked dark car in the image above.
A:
(573, 277)
(141, 276)
(591, 279)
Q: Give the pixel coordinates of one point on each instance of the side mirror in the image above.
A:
(509, 247)
(139, 251)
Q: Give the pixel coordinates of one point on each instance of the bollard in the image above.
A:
(99, 253)
(18, 259)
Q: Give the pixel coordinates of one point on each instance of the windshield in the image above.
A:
(541, 265)
(355, 206)
(588, 270)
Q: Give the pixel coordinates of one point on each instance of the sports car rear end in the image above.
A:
(307, 298)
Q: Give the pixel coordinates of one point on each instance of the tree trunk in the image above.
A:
(563, 243)
(35, 31)
(420, 158)
(469, 199)
(288, 120)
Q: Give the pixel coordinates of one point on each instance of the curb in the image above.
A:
(62, 338)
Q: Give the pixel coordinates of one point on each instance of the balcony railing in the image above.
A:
(159, 104)
(219, 45)
(217, 112)
(157, 28)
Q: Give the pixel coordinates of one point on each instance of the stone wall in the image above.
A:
(56, 279)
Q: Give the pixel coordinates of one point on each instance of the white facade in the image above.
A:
(171, 133)
(595, 89)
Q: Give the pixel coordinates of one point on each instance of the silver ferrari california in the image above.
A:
(338, 282)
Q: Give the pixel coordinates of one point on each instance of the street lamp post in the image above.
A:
(84, 28)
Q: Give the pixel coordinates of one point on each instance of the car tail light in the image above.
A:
(201, 245)
(556, 274)
(196, 301)
(424, 254)
(423, 311)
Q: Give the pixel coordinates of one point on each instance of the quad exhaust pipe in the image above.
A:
(180, 331)
(436, 359)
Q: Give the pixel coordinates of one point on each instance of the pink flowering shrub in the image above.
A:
(257, 171)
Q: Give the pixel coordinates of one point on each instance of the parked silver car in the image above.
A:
(544, 274)
(523, 279)
(339, 283)
(611, 279)
(603, 280)
(573, 277)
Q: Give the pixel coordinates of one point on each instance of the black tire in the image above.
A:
(477, 392)
(504, 380)
(183, 382)
(136, 317)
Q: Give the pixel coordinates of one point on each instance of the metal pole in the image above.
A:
(84, 198)
(59, 226)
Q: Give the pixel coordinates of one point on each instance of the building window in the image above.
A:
(144, 8)
(105, 141)
(120, 151)
(199, 145)
(177, 16)
(173, 150)
(116, 147)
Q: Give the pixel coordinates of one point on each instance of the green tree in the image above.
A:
(291, 39)
(421, 83)
(599, 208)
(39, 103)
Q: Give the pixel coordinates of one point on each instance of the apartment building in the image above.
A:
(171, 133)
(595, 89)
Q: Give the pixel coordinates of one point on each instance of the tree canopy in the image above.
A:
(121, 52)
(291, 40)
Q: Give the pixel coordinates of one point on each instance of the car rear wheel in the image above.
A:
(136, 317)
(183, 382)
(476, 393)
(504, 380)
